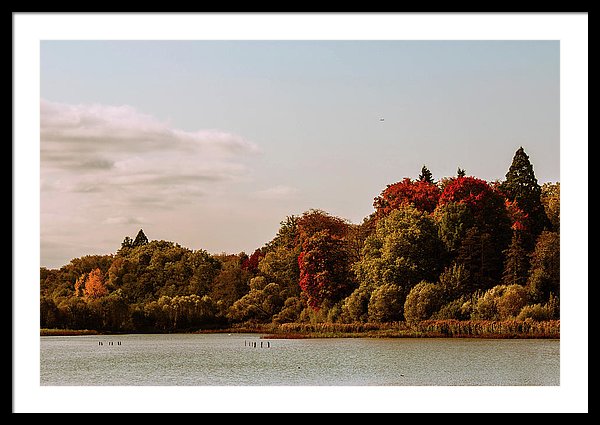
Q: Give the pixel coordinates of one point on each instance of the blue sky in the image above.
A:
(212, 143)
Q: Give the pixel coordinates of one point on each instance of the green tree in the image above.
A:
(260, 304)
(513, 299)
(454, 280)
(404, 250)
(280, 265)
(551, 200)
(544, 276)
(453, 221)
(355, 307)
(460, 172)
(291, 310)
(501, 302)
(385, 304)
(423, 300)
(231, 284)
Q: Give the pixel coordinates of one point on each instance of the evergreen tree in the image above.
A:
(479, 256)
(426, 175)
(522, 186)
(140, 239)
(516, 265)
(460, 172)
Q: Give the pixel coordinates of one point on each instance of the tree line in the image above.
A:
(460, 248)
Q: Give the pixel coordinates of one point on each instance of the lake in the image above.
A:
(239, 360)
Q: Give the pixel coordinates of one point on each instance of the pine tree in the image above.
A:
(425, 175)
(522, 186)
(140, 239)
(460, 172)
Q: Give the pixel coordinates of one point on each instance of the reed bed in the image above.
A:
(67, 332)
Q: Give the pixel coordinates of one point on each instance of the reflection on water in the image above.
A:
(246, 360)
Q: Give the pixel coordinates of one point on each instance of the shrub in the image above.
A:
(422, 301)
(385, 304)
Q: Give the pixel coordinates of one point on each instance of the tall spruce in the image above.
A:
(140, 239)
(522, 186)
(426, 175)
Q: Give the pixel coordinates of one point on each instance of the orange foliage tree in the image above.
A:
(94, 287)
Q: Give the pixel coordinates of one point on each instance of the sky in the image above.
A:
(211, 144)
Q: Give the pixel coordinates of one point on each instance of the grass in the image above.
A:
(67, 332)
(521, 329)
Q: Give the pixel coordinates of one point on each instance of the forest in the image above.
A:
(459, 250)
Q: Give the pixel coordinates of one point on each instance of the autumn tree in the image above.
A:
(484, 202)
(251, 263)
(325, 273)
(522, 186)
(324, 269)
(475, 225)
(94, 285)
(421, 194)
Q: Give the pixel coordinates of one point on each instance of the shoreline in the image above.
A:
(427, 329)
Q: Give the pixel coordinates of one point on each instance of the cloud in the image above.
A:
(109, 149)
(276, 192)
(125, 128)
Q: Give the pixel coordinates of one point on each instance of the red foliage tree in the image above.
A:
(251, 263)
(468, 190)
(324, 259)
(324, 269)
(517, 216)
(314, 221)
(421, 194)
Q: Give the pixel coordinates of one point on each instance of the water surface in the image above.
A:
(233, 359)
